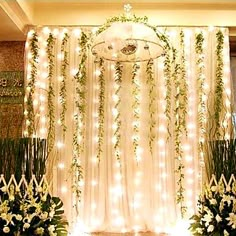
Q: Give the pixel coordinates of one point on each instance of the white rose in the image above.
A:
(218, 218)
(213, 202)
(226, 233)
(26, 225)
(51, 228)
(210, 228)
(19, 217)
(44, 216)
(39, 230)
(51, 213)
(6, 229)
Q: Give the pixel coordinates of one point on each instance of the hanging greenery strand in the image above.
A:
(101, 116)
(199, 40)
(117, 120)
(51, 92)
(151, 106)
(80, 104)
(219, 84)
(62, 92)
(179, 77)
(136, 109)
(33, 62)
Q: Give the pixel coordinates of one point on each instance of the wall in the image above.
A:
(11, 88)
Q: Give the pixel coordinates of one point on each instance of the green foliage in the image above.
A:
(23, 156)
(51, 92)
(101, 116)
(33, 62)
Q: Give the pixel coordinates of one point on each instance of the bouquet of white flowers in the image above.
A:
(30, 212)
(217, 211)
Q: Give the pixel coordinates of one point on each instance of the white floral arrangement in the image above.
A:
(216, 211)
(32, 211)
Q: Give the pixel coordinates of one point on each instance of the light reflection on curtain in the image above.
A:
(140, 196)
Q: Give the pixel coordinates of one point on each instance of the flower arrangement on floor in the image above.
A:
(32, 211)
(217, 210)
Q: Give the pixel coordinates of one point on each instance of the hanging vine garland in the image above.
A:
(219, 84)
(63, 90)
(136, 107)
(152, 102)
(199, 40)
(33, 62)
(80, 104)
(117, 120)
(51, 92)
(101, 116)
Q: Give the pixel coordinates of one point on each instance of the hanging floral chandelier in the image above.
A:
(127, 38)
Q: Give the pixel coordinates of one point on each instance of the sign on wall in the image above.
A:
(11, 86)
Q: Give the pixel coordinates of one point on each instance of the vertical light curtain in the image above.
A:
(155, 126)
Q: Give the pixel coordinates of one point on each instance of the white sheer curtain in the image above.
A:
(137, 197)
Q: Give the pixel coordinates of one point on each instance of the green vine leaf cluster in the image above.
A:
(117, 119)
(136, 107)
(199, 40)
(34, 50)
(51, 92)
(63, 90)
(219, 84)
(80, 104)
(151, 106)
(101, 115)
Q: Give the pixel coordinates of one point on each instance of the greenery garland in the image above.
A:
(199, 40)
(80, 103)
(33, 61)
(135, 106)
(101, 116)
(51, 92)
(117, 135)
(219, 84)
(62, 92)
(179, 78)
(152, 102)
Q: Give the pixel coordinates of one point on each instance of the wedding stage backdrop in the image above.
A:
(126, 140)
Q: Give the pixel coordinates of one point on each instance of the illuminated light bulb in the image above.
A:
(29, 55)
(46, 30)
(93, 182)
(119, 221)
(61, 165)
(115, 112)
(43, 86)
(162, 128)
(65, 30)
(114, 55)
(94, 160)
(60, 56)
(97, 72)
(94, 206)
(190, 126)
(81, 183)
(74, 72)
(42, 130)
(211, 28)
(161, 142)
(27, 122)
(190, 181)
(77, 49)
(164, 175)
(43, 119)
(25, 133)
(137, 181)
(227, 103)
(228, 115)
(189, 193)
(228, 91)
(25, 112)
(42, 98)
(30, 33)
(118, 190)
(164, 196)
(77, 32)
(118, 176)
(188, 158)
(29, 68)
(94, 30)
(136, 228)
(44, 75)
(55, 32)
(158, 187)
(115, 98)
(162, 165)
(138, 158)
(124, 230)
(112, 67)
(25, 99)
(225, 124)
(35, 102)
(60, 144)
(63, 189)
(42, 108)
(42, 52)
(45, 64)
(227, 136)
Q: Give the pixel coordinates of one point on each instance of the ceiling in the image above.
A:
(17, 15)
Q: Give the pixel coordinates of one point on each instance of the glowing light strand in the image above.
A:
(101, 116)
(136, 107)
(51, 92)
(151, 106)
(33, 62)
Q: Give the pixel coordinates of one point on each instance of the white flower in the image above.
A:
(39, 231)
(19, 217)
(4, 189)
(199, 230)
(227, 198)
(44, 198)
(51, 228)
(232, 220)
(11, 198)
(213, 201)
(210, 228)
(44, 215)
(51, 213)
(207, 218)
(26, 225)
(226, 233)
(6, 229)
(218, 218)
(213, 188)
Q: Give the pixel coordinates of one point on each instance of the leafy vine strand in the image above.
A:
(136, 107)
(62, 92)
(152, 102)
(33, 61)
(101, 116)
(219, 84)
(51, 92)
